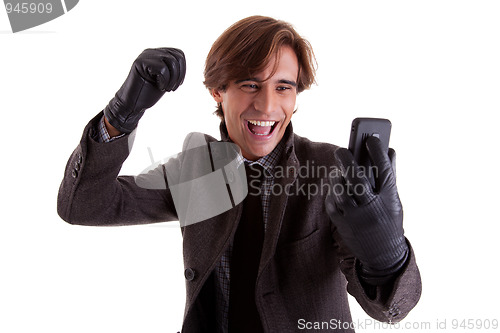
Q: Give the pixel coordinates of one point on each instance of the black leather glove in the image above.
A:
(369, 220)
(153, 73)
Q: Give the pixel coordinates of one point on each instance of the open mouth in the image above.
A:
(263, 129)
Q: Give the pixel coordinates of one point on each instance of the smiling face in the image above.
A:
(257, 110)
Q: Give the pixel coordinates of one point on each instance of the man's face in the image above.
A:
(257, 112)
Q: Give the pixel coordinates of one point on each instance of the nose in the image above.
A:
(266, 101)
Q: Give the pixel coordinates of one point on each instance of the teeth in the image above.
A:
(261, 123)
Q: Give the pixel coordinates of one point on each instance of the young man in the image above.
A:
(284, 258)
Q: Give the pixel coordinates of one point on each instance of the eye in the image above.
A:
(284, 89)
(250, 87)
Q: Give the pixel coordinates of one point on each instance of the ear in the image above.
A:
(217, 95)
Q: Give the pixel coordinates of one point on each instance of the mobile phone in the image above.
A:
(361, 129)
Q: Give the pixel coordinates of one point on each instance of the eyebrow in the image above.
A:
(283, 81)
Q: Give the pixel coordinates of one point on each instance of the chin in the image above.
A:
(261, 151)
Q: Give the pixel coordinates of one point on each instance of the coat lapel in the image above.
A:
(287, 175)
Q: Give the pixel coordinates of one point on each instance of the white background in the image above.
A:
(432, 67)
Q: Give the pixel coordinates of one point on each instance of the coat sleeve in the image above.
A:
(387, 303)
(92, 193)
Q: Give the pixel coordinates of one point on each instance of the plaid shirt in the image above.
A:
(222, 270)
(102, 133)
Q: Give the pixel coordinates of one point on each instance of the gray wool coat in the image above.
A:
(305, 270)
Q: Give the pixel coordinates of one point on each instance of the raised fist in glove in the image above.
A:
(153, 73)
(369, 220)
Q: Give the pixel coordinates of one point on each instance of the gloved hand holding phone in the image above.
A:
(369, 220)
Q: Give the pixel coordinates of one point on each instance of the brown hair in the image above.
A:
(247, 47)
